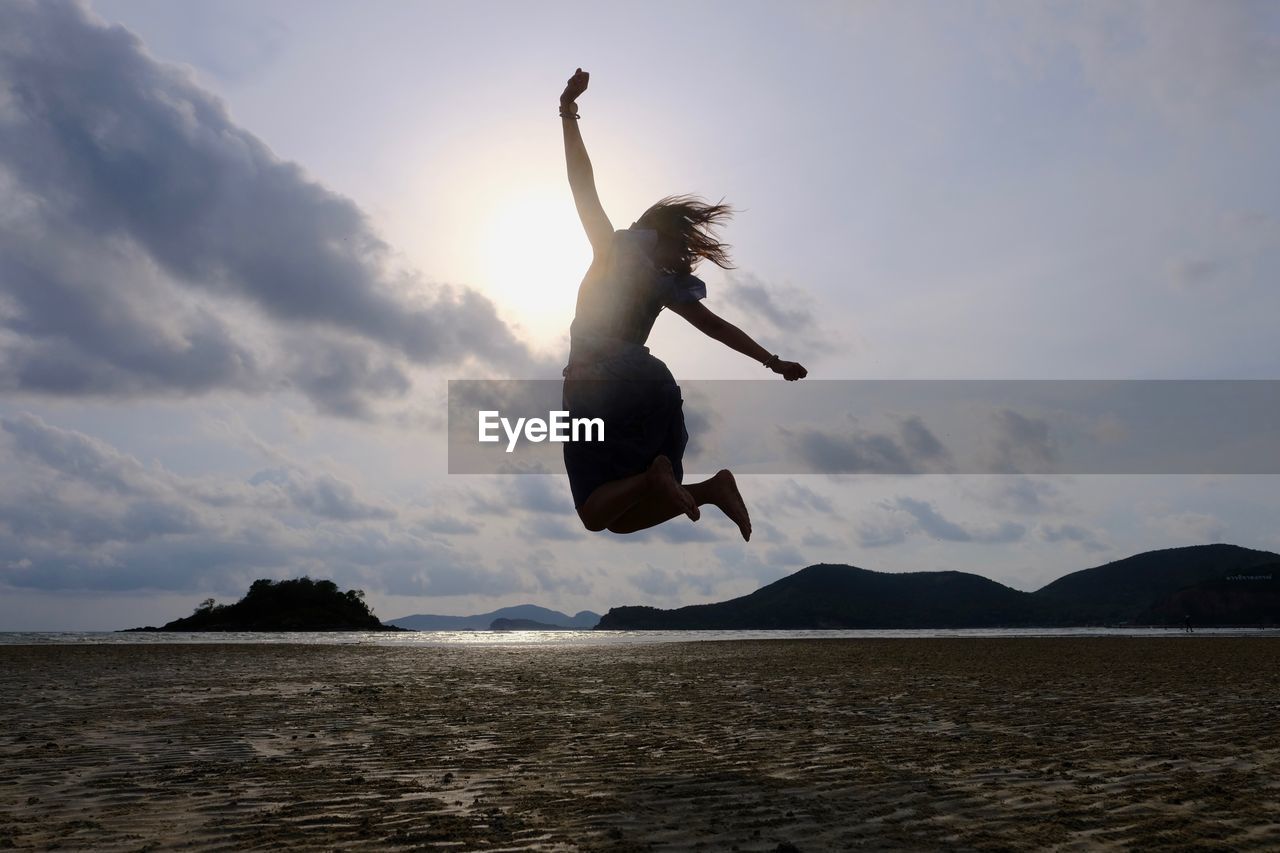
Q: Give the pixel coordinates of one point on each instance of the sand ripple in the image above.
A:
(963, 744)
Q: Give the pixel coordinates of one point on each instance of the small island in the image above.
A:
(301, 604)
(525, 625)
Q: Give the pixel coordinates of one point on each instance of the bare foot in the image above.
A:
(725, 494)
(662, 478)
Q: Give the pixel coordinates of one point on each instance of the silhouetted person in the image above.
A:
(1186, 624)
(632, 479)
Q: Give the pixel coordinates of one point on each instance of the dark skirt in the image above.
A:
(638, 399)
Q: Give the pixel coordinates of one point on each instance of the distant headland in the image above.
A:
(301, 604)
(1200, 585)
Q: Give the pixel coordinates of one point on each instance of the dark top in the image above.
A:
(622, 303)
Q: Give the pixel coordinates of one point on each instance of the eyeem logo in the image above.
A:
(558, 427)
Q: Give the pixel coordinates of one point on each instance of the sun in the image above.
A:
(532, 254)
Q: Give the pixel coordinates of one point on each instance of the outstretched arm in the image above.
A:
(717, 328)
(582, 179)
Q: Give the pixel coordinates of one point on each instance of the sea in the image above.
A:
(579, 638)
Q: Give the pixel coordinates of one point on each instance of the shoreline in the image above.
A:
(409, 638)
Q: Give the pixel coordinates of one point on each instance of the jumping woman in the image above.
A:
(632, 479)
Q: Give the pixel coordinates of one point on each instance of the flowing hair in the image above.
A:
(690, 221)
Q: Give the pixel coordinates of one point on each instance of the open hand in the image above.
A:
(576, 86)
(790, 370)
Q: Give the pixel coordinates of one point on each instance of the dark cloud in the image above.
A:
(1021, 442)
(149, 245)
(76, 513)
(856, 451)
(777, 306)
(1023, 495)
(932, 522)
(75, 455)
(882, 531)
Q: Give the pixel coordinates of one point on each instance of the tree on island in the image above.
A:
(301, 604)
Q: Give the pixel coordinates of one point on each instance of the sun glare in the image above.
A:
(532, 254)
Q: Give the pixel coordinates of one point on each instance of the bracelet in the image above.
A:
(569, 110)
(772, 360)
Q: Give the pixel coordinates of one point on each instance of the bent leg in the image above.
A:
(720, 491)
(656, 487)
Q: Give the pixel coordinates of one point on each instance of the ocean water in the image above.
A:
(577, 638)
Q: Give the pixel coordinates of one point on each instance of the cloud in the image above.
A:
(1021, 442)
(815, 539)
(553, 576)
(1193, 527)
(526, 493)
(883, 530)
(75, 455)
(711, 527)
(322, 495)
(1190, 273)
(546, 527)
(891, 522)
(793, 498)
(1182, 60)
(76, 513)
(669, 584)
(149, 245)
(785, 311)
(784, 555)
(1021, 494)
(445, 524)
(1071, 533)
(914, 450)
(934, 524)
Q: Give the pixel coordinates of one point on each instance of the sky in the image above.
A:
(245, 245)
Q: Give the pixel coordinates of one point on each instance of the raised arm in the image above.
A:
(582, 179)
(717, 328)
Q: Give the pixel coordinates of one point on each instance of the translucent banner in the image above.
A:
(889, 426)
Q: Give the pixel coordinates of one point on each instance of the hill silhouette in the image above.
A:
(482, 621)
(839, 596)
(1156, 587)
(289, 605)
(1130, 590)
(1251, 597)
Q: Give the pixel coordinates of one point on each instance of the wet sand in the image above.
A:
(960, 744)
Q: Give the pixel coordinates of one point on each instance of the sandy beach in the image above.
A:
(978, 744)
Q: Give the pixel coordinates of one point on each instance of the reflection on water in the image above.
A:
(577, 638)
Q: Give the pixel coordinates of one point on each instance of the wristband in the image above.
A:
(772, 361)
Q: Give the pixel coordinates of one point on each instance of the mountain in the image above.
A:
(838, 596)
(1130, 590)
(1214, 584)
(482, 621)
(290, 605)
(1250, 597)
